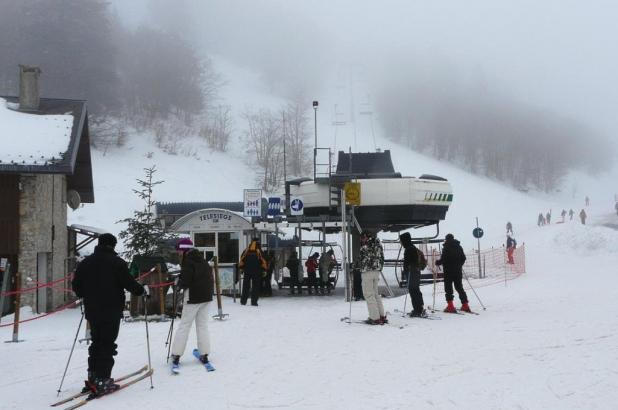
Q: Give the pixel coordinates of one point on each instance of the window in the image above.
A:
(204, 240)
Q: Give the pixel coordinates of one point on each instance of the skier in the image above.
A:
(411, 265)
(254, 266)
(312, 265)
(101, 279)
(587, 201)
(511, 244)
(371, 261)
(540, 220)
(509, 227)
(327, 263)
(452, 260)
(295, 280)
(563, 214)
(583, 216)
(571, 213)
(197, 281)
(548, 217)
(616, 207)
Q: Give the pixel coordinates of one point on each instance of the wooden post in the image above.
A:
(220, 315)
(17, 308)
(161, 296)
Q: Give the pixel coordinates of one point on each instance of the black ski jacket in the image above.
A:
(410, 258)
(196, 275)
(453, 257)
(101, 279)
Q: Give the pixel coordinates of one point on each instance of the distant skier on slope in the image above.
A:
(583, 216)
(548, 217)
(197, 281)
(540, 220)
(571, 213)
(509, 227)
(452, 260)
(616, 207)
(101, 279)
(563, 214)
(511, 244)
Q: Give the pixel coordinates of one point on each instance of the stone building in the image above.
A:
(44, 166)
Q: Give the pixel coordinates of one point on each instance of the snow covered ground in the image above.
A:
(548, 339)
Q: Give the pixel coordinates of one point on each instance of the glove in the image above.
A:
(146, 293)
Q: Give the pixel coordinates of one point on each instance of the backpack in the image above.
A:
(422, 262)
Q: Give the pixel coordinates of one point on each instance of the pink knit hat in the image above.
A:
(184, 244)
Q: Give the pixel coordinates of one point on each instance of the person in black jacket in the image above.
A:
(293, 266)
(410, 265)
(452, 260)
(197, 281)
(254, 267)
(100, 280)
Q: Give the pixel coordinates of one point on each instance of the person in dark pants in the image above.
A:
(410, 265)
(100, 280)
(452, 260)
(357, 285)
(327, 263)
(312, 265)
(292, 265)
(254, 267)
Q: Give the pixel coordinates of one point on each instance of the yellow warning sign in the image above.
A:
(352, 193)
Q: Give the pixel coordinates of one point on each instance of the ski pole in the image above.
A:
(71, 354)
(147, 337)
(168, 343)
(471, 287)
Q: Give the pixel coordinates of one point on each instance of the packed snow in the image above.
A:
(32, 139)
(547, 339)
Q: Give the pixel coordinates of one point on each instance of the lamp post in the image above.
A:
(315, 129)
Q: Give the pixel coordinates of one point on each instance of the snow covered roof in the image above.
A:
(32, 139)
(53, 140)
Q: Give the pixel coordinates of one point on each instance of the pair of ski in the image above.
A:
(459, 312)
(196, 353)
(364, 322)
(128, 380)
(428, 316)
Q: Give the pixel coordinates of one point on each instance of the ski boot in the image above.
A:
(370, 321)
(384, 319)
(175, 364)
(450, 308)
(104, 386)
(415, 313)
(465, 307)
(89, 386)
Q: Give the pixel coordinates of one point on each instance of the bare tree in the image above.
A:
(265, 146)
(218, 129)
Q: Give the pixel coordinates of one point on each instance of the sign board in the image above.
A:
(352, 193)
(297, 207)
(253, 202)
(477, 233)
(226, 277)
(274, 206)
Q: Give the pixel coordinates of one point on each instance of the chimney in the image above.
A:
(29, 87)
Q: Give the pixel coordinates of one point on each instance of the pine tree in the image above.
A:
(144, 234)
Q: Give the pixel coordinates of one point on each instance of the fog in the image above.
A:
(555, 55)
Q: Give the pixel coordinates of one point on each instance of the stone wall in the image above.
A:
(43, 238)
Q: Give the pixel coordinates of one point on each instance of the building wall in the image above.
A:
(43, 238)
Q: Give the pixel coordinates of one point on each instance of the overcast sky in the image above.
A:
(559, 55)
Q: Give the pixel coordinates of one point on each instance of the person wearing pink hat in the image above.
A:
(197, 281)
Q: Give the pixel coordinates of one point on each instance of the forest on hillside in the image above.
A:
(485, 131)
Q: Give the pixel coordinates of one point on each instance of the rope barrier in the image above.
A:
(61, 308)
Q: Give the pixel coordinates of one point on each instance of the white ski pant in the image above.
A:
(370, 292)
(197, 312)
